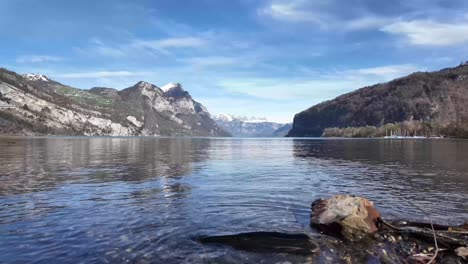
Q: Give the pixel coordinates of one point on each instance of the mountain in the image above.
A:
(241, 126)
(282, 131)
(437, 100)
(34, 104)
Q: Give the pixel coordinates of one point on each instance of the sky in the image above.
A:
(263, 58)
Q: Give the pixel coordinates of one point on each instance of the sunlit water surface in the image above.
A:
(144, 200)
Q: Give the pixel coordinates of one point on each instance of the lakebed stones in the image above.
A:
(352, 217)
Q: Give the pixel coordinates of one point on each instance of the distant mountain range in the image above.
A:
(424, 103)
(241, 126)
(33, 104)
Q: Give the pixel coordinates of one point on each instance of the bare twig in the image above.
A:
(388, 224)
(433, 232)
(435, 243)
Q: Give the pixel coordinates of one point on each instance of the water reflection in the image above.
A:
(43, 163)
(400, 173)
(143, 200)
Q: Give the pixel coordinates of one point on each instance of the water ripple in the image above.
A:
(143, 200)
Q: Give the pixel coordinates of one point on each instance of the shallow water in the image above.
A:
(144, 200)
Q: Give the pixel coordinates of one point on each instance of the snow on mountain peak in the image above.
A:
(245, 119)
(225, 117)
(170, 86)
(36, 77)
(145, 85)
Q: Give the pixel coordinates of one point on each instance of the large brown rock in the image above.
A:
(353, 217)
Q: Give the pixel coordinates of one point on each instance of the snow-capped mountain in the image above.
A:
(246, 119)
(242, 126)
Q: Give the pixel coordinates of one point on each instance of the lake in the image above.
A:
(145, 200)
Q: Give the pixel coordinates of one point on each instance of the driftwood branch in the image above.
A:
(433, 232)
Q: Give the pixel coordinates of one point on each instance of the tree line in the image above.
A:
(409, 128)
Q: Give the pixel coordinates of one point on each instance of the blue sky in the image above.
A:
(266, 58)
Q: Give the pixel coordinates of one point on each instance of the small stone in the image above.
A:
(462, 252)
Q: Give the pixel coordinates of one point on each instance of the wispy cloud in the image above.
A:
(100, 74)
(164, 45)
(430, 33)
(321, 14)
(140, 46)
(105, 50)
(322, 86)
(386, 72)
(186, 42)
(213, 61)
(292, 11)
(37, 59)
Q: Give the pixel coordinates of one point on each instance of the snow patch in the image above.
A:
(36, 77)
(169, 86)
(244, 119)
(224, 117)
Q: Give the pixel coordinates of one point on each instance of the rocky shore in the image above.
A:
(351, 230)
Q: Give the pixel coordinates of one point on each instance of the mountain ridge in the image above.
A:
(434, 98)
(35, 104)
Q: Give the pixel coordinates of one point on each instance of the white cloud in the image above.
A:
(37, 59)
(430, 33)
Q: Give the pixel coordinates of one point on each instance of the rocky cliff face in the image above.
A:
(34, 104)
(248, 127)
(437, 99)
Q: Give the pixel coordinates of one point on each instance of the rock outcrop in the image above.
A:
(353, 217)
(34, 104)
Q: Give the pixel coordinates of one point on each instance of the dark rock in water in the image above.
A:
(266, 242)
(352, 217)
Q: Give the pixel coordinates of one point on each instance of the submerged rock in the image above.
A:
(266, 242)
(352, 217)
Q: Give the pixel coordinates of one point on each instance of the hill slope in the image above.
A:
(34, 104)
(438, 98)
